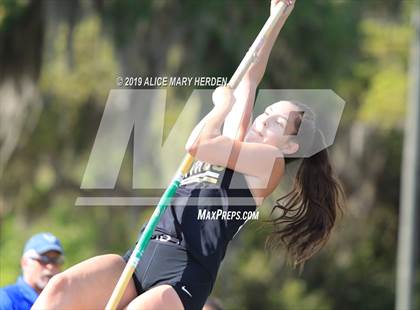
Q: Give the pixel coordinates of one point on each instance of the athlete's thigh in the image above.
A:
(161, 297)
(87, 285)
(98, 277)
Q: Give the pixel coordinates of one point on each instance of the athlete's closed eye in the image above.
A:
(280, 122)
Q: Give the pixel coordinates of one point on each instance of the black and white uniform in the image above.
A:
(189, 244)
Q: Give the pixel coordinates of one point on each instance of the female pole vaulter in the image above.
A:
(180, 265)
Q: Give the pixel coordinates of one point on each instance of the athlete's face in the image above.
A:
(274, 126)
(38, 271)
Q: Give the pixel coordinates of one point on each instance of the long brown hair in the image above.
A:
(309, 210)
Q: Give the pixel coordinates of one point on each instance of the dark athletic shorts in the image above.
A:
(170, 263)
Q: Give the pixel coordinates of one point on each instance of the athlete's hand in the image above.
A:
(223, 96)
(289, 3)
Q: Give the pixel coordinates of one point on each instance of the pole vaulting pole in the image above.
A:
(138, 251)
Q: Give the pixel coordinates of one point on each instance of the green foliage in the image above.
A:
(384, 101)
(87, 68)
(295, 296)
(10, 11)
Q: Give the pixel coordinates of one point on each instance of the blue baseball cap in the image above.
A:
(42, 243)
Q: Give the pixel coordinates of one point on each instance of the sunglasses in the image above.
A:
(45, 260)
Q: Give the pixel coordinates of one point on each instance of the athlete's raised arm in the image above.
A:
(238, 120)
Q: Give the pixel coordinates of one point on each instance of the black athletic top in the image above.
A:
(195, 215)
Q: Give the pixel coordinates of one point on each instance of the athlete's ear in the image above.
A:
(291, 147)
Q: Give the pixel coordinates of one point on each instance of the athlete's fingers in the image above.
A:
(289, 3)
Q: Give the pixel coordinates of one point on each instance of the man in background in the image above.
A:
(42, 259)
